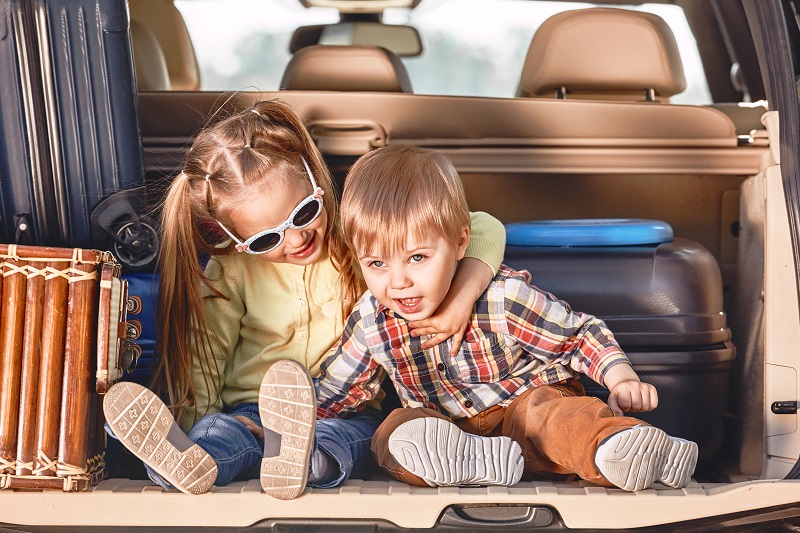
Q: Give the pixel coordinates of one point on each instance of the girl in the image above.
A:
(256, 199)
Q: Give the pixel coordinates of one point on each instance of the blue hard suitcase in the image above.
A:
(661, 297)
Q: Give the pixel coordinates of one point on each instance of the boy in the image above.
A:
(508, 403)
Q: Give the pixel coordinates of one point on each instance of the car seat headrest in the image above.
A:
(346, 68)
(603, 53)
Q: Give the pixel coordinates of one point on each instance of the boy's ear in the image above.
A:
(463, 242)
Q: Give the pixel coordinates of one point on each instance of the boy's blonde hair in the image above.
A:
(397, 191)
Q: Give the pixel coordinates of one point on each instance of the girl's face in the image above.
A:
(269, 207)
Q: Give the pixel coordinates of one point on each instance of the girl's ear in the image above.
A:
(463, 242)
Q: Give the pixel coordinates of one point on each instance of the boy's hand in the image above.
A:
(632, 396)
(627, 392)
(251, 426)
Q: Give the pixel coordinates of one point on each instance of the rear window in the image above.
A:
(471, 47)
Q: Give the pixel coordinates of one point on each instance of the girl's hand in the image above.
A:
(251, 426)
(452, 316)
(449, 320)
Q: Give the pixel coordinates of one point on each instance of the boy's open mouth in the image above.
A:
(409, 305)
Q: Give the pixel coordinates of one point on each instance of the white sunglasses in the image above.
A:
(304, 214)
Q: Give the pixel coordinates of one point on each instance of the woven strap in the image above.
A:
(72, 275)
(6, 464)
(71, 471)
(45, 462)
(77, 257)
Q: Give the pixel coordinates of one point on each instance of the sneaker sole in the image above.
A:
(680, 463)
(442, 454)
(288, 406)
(633, 458)
(142, 423)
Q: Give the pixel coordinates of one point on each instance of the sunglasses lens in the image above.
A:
(265, 242)
(307, 214)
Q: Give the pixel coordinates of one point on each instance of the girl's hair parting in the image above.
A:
(224, 164)
(397, 191)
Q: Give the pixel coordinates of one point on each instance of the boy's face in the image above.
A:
(414, 282)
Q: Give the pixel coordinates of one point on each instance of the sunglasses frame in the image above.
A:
(316, 196)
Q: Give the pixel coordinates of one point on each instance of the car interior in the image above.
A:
(591, 134)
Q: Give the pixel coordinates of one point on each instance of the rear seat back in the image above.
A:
(346, 68)
(149, 60)
(603, 54)
(166, 24)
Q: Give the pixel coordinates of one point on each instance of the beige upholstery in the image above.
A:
(164, 20)
(603, 53)
(149, 60)
(346, 68)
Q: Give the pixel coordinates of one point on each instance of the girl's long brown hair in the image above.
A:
(227, 162)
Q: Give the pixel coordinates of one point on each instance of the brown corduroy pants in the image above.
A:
(557, 426)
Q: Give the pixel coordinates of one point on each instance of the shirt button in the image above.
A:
(441, 367)
(303, 335)
(302, 303)
(468, 404)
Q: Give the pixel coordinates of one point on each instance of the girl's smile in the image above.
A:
(307, 249)
(269, 207)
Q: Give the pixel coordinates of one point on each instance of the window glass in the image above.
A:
(243, 45)
(471, 47)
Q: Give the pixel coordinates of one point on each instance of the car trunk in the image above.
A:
(520, 159)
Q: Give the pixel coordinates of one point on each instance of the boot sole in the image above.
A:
(143, 424)
(287, 405)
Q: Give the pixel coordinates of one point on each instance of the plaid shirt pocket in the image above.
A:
(483, 358)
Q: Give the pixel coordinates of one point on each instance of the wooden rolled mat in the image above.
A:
(12, 318)
(31, 360)
(48, 411)
(78, 384)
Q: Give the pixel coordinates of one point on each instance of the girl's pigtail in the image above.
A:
(180, 304)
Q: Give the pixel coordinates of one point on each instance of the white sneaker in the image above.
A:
(443, 455)
(636, 457)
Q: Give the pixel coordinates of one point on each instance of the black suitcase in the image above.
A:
(68, 117)
(21, 159)
(663, 302)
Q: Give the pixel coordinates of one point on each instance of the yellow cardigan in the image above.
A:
(272, 310)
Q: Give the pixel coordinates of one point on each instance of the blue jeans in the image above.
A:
(238, 452)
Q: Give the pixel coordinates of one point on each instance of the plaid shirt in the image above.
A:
(518, 337)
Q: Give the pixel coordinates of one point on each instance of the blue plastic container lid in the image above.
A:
(588, 232)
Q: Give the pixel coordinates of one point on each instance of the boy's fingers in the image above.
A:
(614, 405)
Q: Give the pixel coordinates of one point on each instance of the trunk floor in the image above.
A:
(241, 504)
